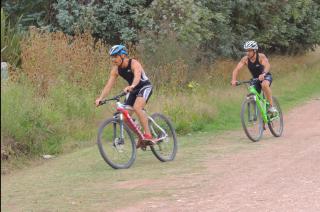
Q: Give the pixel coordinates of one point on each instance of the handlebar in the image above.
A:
(252, 81)
(115, 98)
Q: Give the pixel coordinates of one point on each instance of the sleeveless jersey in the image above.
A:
(255, 67)
(128, 75)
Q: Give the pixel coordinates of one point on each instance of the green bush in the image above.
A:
(23, 120)
(40, 125)
(217, 28)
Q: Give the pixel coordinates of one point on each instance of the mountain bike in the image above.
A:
(116, 141)
(255, 115)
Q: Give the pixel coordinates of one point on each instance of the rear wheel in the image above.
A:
(251, 119)
(165, 149)
(275, 123)
(118, 151)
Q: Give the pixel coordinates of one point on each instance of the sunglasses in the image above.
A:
(249, 50)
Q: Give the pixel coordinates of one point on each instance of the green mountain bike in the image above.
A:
(255, 115)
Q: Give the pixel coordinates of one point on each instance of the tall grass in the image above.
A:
(10, 41)
(49, 57)
(50, 109)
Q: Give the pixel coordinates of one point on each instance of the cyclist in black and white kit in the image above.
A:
(259, 67)
(139, 88)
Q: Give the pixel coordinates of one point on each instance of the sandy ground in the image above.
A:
(282, 175)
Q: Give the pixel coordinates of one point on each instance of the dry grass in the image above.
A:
(46, 57)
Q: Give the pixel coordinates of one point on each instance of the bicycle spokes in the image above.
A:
(116, 144)
(276, 120)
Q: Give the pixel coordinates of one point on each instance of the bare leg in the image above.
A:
(267, 91)
(138, 106)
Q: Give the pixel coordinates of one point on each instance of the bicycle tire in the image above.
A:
(115, 144)
(273, 131)
(246, 105)
(157, 149)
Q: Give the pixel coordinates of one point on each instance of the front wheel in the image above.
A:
(251, 119)
(161, 127)
(275, 122)
(116, 144)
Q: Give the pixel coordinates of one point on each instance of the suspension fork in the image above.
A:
(252, 117)
(121, 125)
(118, 116)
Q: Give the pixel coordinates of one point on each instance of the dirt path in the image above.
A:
(283, 175)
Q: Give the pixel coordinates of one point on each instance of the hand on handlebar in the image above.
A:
(98, 102)
(261, 77)
(128, 89)
(234, 83)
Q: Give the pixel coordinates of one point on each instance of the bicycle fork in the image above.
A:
(262, 105)
(118, 140)
(252, 105)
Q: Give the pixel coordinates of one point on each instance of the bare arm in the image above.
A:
(137, 70)
(235, 72)
(109, 85)
(265, 62)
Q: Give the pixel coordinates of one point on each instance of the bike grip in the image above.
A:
(123, 93)
(238, 83)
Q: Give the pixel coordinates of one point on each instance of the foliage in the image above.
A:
(47, 58)
(39, 13)
(10, 41)
(278, 26)
(113, 21)
(184, 17)
(217, 28)
(29, 128)
(36, 125)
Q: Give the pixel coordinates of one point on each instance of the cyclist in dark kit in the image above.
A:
(139, 88)
(259, 67)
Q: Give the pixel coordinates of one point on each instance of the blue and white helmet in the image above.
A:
(118, 50)
(251, 45)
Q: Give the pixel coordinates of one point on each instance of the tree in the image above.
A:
(38, 13)
(114, 21)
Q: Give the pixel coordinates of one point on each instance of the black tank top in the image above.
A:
(127, 74)
(255, 68)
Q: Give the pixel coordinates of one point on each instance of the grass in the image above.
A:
(10, 40)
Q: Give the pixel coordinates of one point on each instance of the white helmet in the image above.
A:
(251, 45)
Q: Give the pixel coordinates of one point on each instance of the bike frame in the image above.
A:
(261, 102)
(124, 116)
